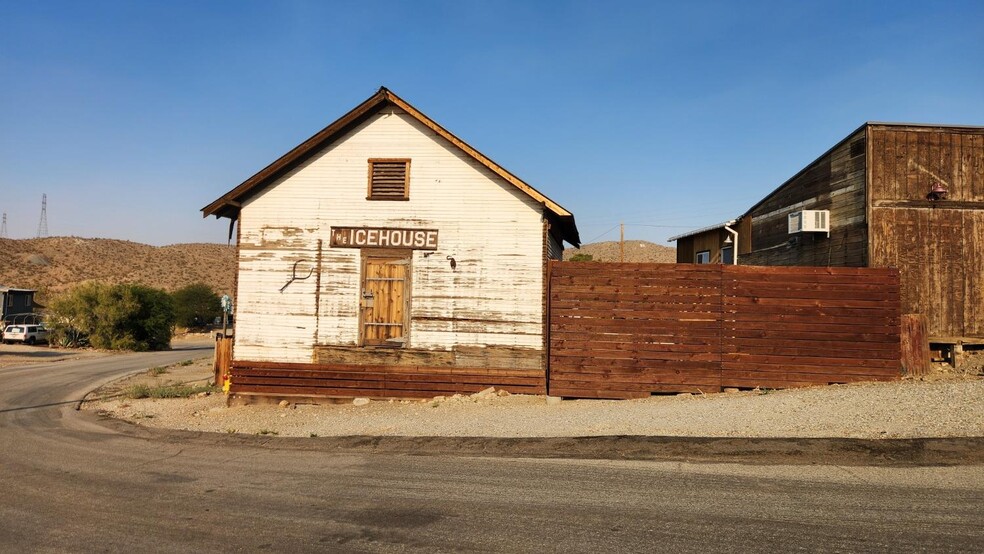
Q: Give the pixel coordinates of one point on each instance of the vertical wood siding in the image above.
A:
(835, 182)
(493, 231)
(688, 247)
(937, 245)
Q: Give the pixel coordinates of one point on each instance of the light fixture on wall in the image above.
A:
(937, 192)
(454, 264)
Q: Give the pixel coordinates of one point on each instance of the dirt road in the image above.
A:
(74, 482)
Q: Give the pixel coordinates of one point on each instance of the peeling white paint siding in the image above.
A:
(493, 231)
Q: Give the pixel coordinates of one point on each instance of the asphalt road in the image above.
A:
(70, 481)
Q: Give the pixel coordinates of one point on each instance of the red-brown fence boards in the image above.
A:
(792, 326)
(383, 381)
(629, 330)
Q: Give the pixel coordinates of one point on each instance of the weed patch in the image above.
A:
(166, 391)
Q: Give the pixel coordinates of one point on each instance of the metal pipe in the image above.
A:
(734, 237)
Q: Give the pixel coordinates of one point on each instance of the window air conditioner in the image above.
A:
(810, 221)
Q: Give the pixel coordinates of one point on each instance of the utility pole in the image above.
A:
(621, 242)
(3, 227)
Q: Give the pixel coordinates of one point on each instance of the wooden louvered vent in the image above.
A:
(389, 179)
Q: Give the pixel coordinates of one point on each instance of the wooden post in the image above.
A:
(222, 360)
(621, 242)
(217, 359)
(915, 345)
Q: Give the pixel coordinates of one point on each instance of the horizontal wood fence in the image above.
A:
(379, 381)
(630, 330)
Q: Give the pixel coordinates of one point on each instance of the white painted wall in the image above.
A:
(492, 229)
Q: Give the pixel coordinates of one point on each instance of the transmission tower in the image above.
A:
(43, 225)
(3, 227)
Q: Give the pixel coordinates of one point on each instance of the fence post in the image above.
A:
(915, 345)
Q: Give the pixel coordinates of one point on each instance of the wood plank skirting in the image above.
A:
(630, 330)
(347, 381)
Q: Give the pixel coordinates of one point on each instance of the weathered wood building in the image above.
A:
(909, 196)
(714, 244)
(384, 256)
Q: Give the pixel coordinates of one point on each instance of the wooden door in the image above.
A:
(385, 299)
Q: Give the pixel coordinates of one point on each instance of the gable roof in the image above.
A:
(228, 205)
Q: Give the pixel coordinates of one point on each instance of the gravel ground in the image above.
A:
(941, 407)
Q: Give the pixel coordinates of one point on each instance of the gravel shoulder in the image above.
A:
(943, 406)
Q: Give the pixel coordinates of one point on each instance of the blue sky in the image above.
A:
(666, 116)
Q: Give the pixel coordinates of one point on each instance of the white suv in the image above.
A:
(29, 334)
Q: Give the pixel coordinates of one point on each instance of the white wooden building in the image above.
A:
(383, 257)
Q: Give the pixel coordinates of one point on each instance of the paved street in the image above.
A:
(71, 482)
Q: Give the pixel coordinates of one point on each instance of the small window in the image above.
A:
(728, 255)
(703, 257)
(389, 179)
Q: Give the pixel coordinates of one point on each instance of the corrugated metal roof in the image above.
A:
(702, 230)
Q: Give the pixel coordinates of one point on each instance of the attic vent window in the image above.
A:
(389, 179)
(857, 148)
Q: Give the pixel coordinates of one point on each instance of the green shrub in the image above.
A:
(114, 317)
(196, 305)
(582, 258)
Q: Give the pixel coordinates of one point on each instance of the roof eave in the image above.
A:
(232, 199)
(703, 230)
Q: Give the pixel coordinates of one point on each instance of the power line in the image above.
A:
(603, 234)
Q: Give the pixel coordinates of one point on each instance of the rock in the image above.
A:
(485, 393)
(284, 404)
(502, 392)
(360, 401)
(554, 400)
(730, 389)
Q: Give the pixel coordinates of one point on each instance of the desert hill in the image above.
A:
(636, 251)
(54, 264)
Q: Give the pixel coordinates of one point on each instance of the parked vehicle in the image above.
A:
(29, 334)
